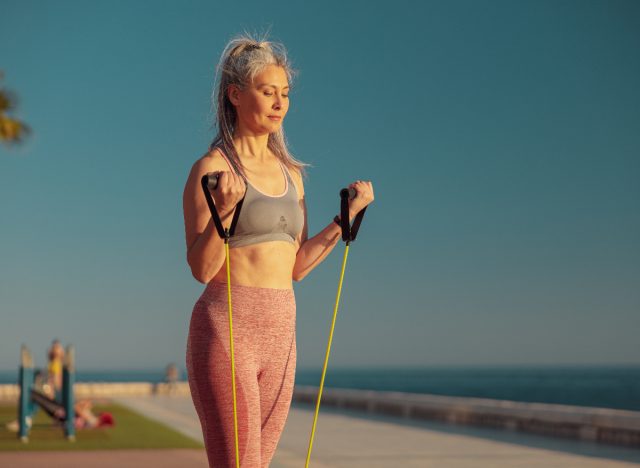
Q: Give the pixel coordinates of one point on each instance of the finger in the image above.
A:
(234, 186)
(237, 183)
(233, 182)
(222, 179)
(241, 186)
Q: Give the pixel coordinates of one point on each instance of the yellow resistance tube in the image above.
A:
(233, 365)
(326, 357)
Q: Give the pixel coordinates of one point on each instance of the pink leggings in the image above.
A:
(264, 344)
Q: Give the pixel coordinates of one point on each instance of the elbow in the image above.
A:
(199, 276)
(297, 277)
(198, 272)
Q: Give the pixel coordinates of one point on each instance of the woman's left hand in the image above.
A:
(364, 196)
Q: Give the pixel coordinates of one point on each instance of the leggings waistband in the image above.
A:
(214, 290)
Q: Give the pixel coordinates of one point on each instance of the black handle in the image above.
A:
(351, 192)
(206, 182)
(209, 182)
(212, 180)
(349, 232)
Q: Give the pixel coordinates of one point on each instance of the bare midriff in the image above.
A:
(266, 265)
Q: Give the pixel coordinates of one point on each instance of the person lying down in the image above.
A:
(84, 416)
(86, 419)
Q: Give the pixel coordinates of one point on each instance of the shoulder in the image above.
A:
(211, 161)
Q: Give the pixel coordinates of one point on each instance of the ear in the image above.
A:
(233, 93)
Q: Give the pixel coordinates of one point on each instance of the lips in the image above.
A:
(275, 117)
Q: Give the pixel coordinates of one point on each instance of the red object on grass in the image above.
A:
(106, 419)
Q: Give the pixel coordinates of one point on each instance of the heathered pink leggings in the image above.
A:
(264, 347)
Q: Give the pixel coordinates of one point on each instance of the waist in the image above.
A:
(246, 294)
(265, 265)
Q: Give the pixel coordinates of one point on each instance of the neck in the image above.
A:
(253, 148)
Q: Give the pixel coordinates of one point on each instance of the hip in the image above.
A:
(251, 306)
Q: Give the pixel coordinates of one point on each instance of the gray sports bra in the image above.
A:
(265, 218)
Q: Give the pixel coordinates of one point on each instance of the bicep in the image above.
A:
(194, 204)
(192, 218)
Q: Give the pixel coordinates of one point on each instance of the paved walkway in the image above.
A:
(349, 439)
(170, 458)
(352, 440)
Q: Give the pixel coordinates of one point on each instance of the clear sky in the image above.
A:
(502, 139)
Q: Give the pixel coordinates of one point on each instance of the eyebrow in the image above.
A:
(273, 86)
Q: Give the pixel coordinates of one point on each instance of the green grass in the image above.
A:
(131, 431)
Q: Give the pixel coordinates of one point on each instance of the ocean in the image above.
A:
(595, 386)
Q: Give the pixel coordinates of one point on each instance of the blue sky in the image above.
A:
(502, 139)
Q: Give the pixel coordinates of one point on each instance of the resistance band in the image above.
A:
(210, 182)
(348, 235)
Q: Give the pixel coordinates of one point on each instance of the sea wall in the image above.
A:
(9, 393)
(604, 425)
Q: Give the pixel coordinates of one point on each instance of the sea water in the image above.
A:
(596, 386)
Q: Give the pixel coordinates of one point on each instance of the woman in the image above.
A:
(269, 250)
(54, 369)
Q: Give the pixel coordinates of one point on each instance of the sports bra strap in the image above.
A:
(230, 165)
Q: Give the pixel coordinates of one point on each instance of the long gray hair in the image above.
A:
(242, 59)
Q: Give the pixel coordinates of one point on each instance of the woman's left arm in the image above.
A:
(312, 252)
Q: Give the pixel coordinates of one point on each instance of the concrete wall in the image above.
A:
(603, 425)
(619, 427)
(10, 392)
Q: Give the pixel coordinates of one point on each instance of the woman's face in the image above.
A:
(267, 98)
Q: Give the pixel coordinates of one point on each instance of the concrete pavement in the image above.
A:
(349, 439)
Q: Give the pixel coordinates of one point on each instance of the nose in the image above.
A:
(279, 100)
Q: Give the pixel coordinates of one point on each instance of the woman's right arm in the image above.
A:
(205, 248)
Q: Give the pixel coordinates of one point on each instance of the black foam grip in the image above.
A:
(212, 180)
(349, 232)
(350, 191)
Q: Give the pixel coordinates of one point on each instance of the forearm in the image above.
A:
(206, 255)
(316, 249)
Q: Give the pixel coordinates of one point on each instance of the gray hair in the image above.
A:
(242, 59)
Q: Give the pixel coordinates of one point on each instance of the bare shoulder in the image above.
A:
(194, 203)
(209, 162)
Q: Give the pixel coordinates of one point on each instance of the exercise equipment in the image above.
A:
(31, 396)
(209, 182)
(349, 233)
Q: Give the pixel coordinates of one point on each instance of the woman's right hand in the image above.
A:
(229, 191)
